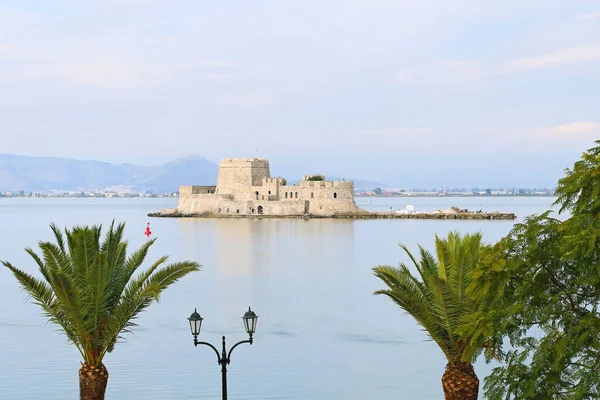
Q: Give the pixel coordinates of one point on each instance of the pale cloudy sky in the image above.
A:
(430, 92)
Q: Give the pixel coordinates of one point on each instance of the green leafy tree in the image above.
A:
(89, 287)
(436, 298)
(378, 191)
(548, 273)
(316, 178)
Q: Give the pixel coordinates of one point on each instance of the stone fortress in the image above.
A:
(245, 188)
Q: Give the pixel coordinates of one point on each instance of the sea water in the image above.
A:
(321, 334)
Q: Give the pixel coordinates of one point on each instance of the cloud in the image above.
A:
(398, 131)
(108, 74)
(575, 128)
(445, 72)
(246, 98)
(460, 71)
(588, 16)
(564, 57)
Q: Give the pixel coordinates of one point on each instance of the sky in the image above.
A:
(423, 93)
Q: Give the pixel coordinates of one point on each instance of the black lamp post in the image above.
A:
(223, 358)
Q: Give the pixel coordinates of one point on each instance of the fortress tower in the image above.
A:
(238, 175)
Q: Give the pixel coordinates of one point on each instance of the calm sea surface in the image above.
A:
(321, 333)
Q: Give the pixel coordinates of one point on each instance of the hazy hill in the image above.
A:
(182, 171)
(51, 173)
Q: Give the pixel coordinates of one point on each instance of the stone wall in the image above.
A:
(225, 206)
(203, 189)
(199, 203)
(269, 189)
(186, 191)
(329, 197)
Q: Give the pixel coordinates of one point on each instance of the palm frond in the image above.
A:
(128, 267)
(136, 283)
(68, 295)
(83, 248)
(97, 292)
(411, 295)
(141, 292)
(43, 295)
(39, 262)
(115, 248)
(436, 296)
(88, 287)
(58, 236)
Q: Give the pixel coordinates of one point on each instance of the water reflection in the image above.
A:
(258, 246)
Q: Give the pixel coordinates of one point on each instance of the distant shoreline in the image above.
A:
(403, 196)
(463, 215)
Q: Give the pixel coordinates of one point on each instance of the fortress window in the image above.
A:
(269, 192)
(335, 195)
(237, 211)
(312, 195)
(263, 197)
(260, 209)
(296, 194)
(286, 194)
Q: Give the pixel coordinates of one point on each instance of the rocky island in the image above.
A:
(245, 188)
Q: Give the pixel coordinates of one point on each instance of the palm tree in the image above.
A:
(436, 299)
(88, 287)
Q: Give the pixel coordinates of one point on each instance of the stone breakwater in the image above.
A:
(173, 213)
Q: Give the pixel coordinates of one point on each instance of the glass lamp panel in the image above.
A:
(250, 324)
(253, 324)
(197, 324)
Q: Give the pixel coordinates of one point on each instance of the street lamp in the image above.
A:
(224, 358)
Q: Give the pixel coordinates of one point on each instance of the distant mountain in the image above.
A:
(49, 173)
(182, 171)
(63, 174)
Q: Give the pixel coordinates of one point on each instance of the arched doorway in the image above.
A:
(260, 209)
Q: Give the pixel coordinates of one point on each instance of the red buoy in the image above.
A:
(147, 232)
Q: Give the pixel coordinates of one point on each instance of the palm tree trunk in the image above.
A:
(92, 382)
(460, 382)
